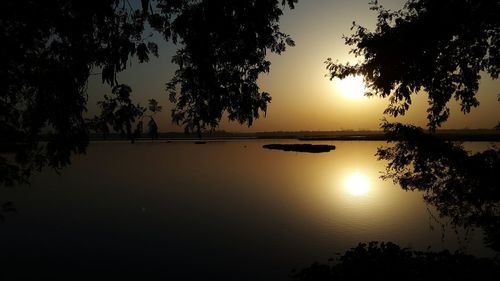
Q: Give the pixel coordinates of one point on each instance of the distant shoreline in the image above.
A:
(452, 135)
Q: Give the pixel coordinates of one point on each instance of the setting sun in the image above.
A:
(351, 87)
(357, 184)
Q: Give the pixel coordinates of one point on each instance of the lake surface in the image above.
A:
(227, 210)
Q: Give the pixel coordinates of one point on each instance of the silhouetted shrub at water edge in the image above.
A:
(388, 261)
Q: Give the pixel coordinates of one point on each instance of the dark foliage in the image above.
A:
(120, 113)
(388, 261)
(154, 108)
(49, 50)
(440, 47)
(152, 128)
(224, 50)
(462, 186)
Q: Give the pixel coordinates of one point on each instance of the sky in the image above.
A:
(303, 97)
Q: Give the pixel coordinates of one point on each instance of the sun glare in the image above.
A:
(351, 87)
(357, 184)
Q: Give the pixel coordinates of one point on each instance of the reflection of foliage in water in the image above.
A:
(388, 261)
(460, 185)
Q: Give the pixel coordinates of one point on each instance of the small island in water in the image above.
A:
(311, 148)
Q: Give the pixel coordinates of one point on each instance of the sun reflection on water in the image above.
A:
(357, 184)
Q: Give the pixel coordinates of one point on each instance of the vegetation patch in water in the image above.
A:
(311, 148)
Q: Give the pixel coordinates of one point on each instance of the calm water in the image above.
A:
(223, 210)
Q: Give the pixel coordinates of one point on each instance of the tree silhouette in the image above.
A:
(225, 46)
(154, 108)
(99, 126)
(120, 113)
(440, 47)
(49, 50)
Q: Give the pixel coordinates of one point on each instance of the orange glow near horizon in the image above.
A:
(303, 96)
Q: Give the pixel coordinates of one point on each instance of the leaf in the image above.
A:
(142, 52)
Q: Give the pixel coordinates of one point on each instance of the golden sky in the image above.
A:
(302, 97)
